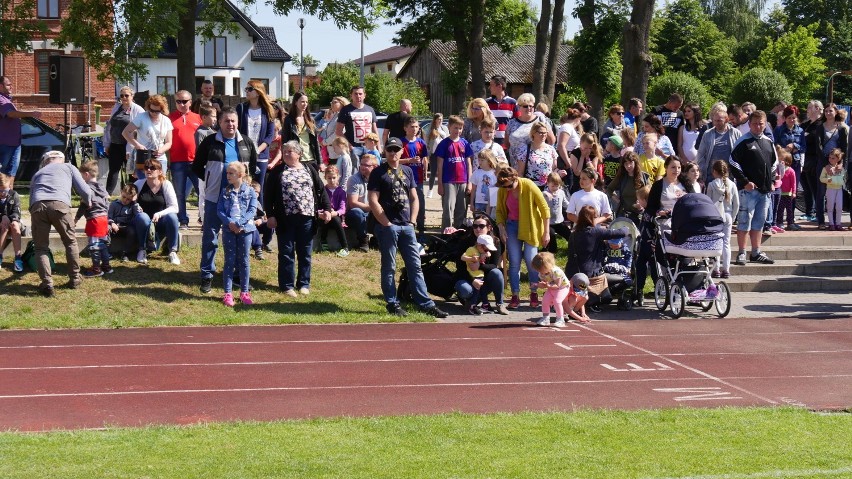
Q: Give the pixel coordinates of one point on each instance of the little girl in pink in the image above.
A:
(556, 286)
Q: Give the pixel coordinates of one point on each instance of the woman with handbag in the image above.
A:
(116, 146)
(150, 135)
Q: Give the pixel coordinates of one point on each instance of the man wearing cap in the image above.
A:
(393, 202)
(612, 160)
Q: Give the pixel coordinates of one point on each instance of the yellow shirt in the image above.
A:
(474, 273)
(655, 167)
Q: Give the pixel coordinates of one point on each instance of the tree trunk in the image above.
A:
(636, 54)
(586, 15)
(463, 65)
(556, 29)
(186, 49)
(477, 68)
(542, 30)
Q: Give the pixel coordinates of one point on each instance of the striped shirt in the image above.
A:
(503, 110)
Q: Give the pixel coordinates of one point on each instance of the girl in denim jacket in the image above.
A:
(236, 210)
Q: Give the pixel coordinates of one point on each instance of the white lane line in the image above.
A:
(772, 474)
(570, 348)
(684, 335)
(752, 353)
(677, 363)
(323, 388)
(294, 341)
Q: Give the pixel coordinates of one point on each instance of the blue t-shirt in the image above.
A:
(231, 155)
(454, 155)
(411, 149)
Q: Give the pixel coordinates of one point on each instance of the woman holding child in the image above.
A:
(158, 202)
(491, 280)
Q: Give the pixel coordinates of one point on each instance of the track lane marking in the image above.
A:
(740, 334)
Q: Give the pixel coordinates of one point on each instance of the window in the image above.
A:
(372, 68)
(166, 85)
(235, 83)
(216, 52)
(219, 85)
(48, 8)
(42, 58)
(265, 82)
(390, 66)
(198, 82)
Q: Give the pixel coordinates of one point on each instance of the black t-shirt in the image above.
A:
(611, 164)
(671, 120)
(393, 187)
(151, 202)
(357, 122)
(395, 124)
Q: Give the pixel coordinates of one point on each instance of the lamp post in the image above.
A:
(829, 91)
(301, 24)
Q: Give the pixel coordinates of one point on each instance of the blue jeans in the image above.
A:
(99, 250)
(211, 224)
(359, 219)
(753, 208)
(10, 158)
(166, 227)
(236, 259)
(261, 178)
(403, 238)
(182, 176)
(295, 242)
(514, 249)
(494, 283)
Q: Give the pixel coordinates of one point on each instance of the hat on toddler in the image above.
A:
(580, 281)
(486, 241)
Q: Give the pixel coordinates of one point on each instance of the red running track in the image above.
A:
(98, 378)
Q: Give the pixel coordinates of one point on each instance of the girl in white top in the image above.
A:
(484, 180)
(588, 195)
(692, 172)
(568, 135)
(692, 125)
(486, 142)
(723, 192)
(150, 133)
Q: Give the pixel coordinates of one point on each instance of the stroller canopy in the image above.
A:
(694, 214)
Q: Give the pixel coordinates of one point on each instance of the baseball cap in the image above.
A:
(580, 281)
(486, 241)
(617, 141)
(393, 143)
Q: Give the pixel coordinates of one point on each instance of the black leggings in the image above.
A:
(337, 226)
(560, 229)
(117, 157)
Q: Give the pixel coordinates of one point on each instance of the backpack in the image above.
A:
(29, 257)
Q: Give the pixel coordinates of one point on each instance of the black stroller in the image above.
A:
(438, 262)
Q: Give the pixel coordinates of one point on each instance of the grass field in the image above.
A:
(705, 443)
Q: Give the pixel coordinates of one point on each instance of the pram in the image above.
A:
(685, 257)
(440, 251)
(621, 282)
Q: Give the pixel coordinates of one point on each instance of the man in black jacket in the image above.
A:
(753, 162)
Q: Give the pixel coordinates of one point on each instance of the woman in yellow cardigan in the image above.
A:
(523, 218)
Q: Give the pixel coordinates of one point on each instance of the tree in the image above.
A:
(688, 41)
(687, 85)
(548, 38)
(18, 28)
(508, 23)
(384, 93)
(309, 60)
(335, 79)
(737, 18)
(765, 88)
(796, 56)
(636, 51)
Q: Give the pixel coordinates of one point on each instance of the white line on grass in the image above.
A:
(771, 474)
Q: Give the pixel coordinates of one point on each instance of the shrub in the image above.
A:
(687, 85)
(765, 88)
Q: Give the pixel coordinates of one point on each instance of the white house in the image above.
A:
(229, 61)
(388, 61)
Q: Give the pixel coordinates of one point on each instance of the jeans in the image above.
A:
(167, 227)
(514, 249)
(181, 173)
(45, 214)
(421, 213)
(261, 178)
(494, 283)
(337, 226)
(236, 260)
(402, 237)
(361, 220)
(753, 208)
(295, 242)
(99, 250)
(261, 236)
(10, 158)
(210, 227)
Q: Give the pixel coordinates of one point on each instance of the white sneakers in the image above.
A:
(142, 257)
(173, 258)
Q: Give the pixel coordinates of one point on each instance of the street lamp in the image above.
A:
(829, 91)
(301, 24)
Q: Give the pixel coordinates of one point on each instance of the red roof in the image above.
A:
(386, 55)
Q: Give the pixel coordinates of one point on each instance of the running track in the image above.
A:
(98, 378)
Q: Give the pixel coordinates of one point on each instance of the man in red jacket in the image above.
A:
(185, 122)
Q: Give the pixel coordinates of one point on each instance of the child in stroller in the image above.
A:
(618, 265)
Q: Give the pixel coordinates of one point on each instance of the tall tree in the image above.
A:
(17, 28)
(557, 29)
(542, 36)
(738, 18)
(795, 54)
(636, 51)
(594, 61)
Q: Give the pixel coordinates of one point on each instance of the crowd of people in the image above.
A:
(261, 169)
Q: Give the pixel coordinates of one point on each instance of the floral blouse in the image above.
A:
(297, 191)
(540, 164)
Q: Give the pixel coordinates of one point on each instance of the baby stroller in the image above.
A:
(620, 263)
(439, 253)
(685, 257)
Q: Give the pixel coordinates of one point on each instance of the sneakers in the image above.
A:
(363, 245)
(794, 227)
(173, 258)
(304, 291)
(395, 309)
(206, 285)
(107, 269)
(501, 309)
(639, 300)
(123, 257)
(46, 291)
(534, 303)
(741, 259)
(544, 321)
(142, 257)
(228, 299)
(725, 274)
(258, 254)
(245, 298)
(475, 310)
(486, 306)
(515, 302)
(768, 231)
(431, 193)
(760, 257)
(267, 248)
(343, 253)
(777, 229)
(291, 293)
(560, 323)
(715, 274)
(434, 311)
(18, 265)
(324, 247)
(184, 226)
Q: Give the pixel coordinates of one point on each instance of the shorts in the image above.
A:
(97, 227)
(10, 158)
(752, 213)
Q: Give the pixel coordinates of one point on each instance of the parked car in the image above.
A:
(37, 138)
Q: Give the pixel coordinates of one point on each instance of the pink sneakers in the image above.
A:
(228, 300)
(245, 298)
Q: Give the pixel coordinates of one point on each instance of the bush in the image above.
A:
(765, 88)
(687, 85)
(384, 93)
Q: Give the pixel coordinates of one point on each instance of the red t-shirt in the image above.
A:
(183, 136)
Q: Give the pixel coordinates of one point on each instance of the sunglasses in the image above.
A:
(182, 102)
(621, 113)
(151, 168)
(477, 226)
(124, 96)
(155, 111)
(527, 106)
(249, 89)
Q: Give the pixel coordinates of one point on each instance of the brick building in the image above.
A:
(29, 73)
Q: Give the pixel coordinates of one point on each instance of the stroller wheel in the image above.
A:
(661, 293)
(626, 303)
(723, 300)
(677, 300)
(706, 305)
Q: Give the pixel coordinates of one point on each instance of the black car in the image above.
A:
(36, 139)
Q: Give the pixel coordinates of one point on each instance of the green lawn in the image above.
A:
(706, 443)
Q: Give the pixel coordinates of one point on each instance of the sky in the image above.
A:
(327, 44)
